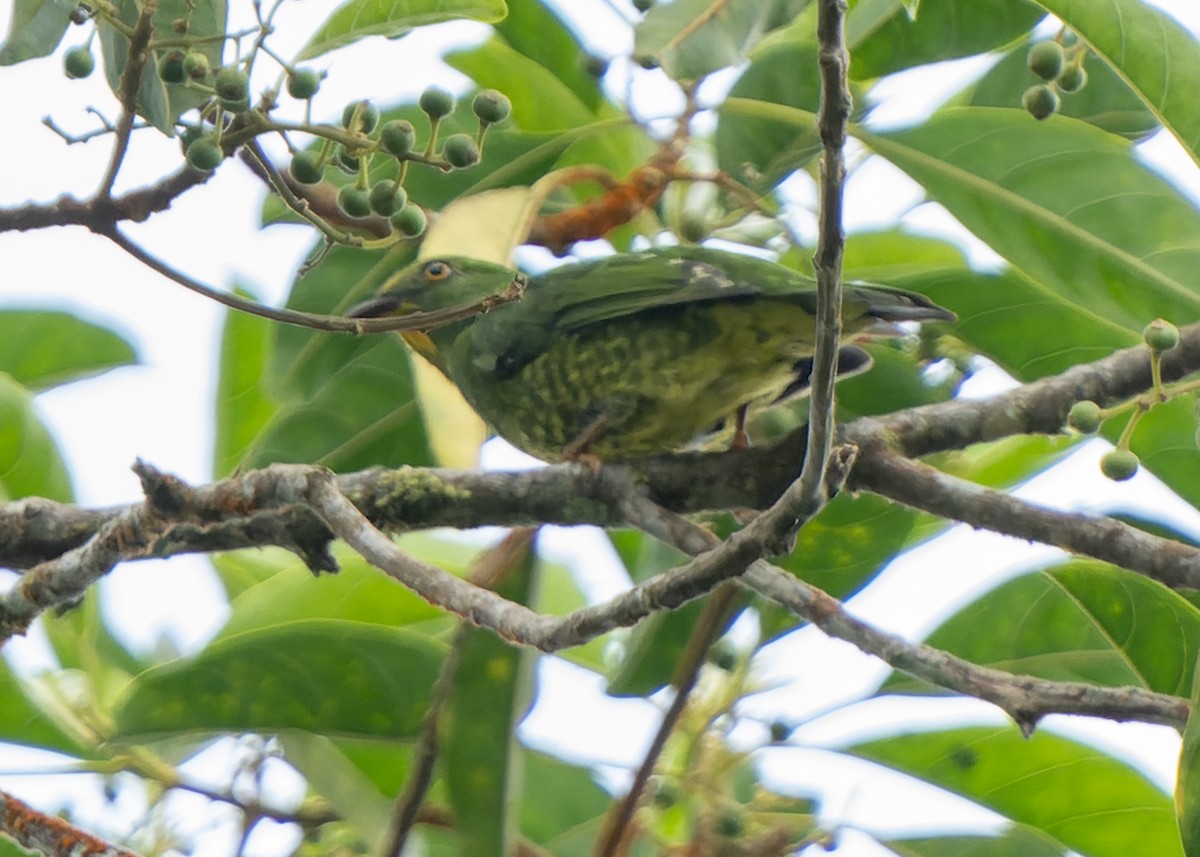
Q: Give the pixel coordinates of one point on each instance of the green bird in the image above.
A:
(632, 354)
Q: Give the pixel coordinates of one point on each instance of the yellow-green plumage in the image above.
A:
(634, 354)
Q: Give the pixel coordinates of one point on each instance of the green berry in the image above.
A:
(780, 731)
(204, 154)
(346, 162)
(1073, 78)
(170, 67)
(303, 83)
(1160, 335)
(231, 85)
(693, 227)
(461, 150)
(190, 134)
(81, 14)
(354, 201)
(723, 656)
(1046, 60)
(665, 794)
(596, 66)
(643, 6)
(1040, 100)
(409, 221)
(1084, 417)
(387, 197)
(78, 62)
(398, 137)
(307, 168)
(491, 106)
(731, 823)
(368, 116)
(195, 65)
(436, 102)
(1119, 465)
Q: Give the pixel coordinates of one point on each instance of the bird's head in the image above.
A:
(435, 284)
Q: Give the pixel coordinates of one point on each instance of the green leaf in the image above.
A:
(1187, 783)
(42, 349)
(36, 28)
(83, 642)
(883, 37)
(1015, 841)
(23, 721)
(1149, 49)
(243, 401)
(534, 28)
(557, 799)
(540, 101)
(30, 463)
(326, 676)
(1165, 441)
(161, 104)
(358, 19)
(1106, 102)
(1075, 794)
(1125, 248)
(761, 150)
(1080, 621)
(493, 688)
(693, 38)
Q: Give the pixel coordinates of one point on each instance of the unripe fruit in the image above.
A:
(731, 823)
(780, 731)
(204, 154)
(368, 116)
(1073, 78)
(1046, 60)
(387, 197)
(1040, 100)
(188, 135)
(461, 150)
(723, 656)
(346, 162)
(665, 794)
(195, 65)
(307, 168)
(1160, 335)
(491, 106)
(643, 5)
(398, 137)
(78, 62)
(1119, 465)
(303, 83)
(170, 67)
(409, 221)
(436, 102)
(233, 89)
(693, 228)
(1084, 417)
(354, 201)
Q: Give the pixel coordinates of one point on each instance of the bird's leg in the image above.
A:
(741, 440)
(577, 450)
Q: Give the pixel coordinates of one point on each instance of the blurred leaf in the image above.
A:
(244, 404)
(326, 676)
(35, 29)
(358, 19)
(761, 150)
(26, 722)
(883, 38)
(492, 691)
(557, 799)
(534, 28)
(1187, 781)
(1080, 621)
(42, 349)
(240, 570)
(1166, 57)
(693, 38)
(1077, 795)
(30, 463)
(1124, 249)
(1015, 841)
(1106, 102)
(161, 104)
(1165, 441)
(83, 642)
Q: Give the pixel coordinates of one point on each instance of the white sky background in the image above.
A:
(161, 411)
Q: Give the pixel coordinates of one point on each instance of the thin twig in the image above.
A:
(49, 834)
(131, 80)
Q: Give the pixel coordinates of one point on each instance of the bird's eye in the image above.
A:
(437, 270)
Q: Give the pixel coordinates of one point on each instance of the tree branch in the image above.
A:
(49, 834)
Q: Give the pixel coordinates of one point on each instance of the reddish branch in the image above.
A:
(49, 834)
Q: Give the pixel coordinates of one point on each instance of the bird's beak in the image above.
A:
(382, 306)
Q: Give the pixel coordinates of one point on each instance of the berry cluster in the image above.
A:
(1086, 416)
(1060, 68)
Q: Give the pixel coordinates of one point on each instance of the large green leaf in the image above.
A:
(493, 688)
(326, 676)
(1016, 841)
(24, 721)
(1165, 441)
(1088, 801)
(161, 103)
(534, 28)
(357, 19)
(557, 799)
(1187, 783)
(1150, 50)
(1063, 201)
(884, 38)
(1080, 621)
(35, 29)
(30, 463)
(244, 404)
(42, 349)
